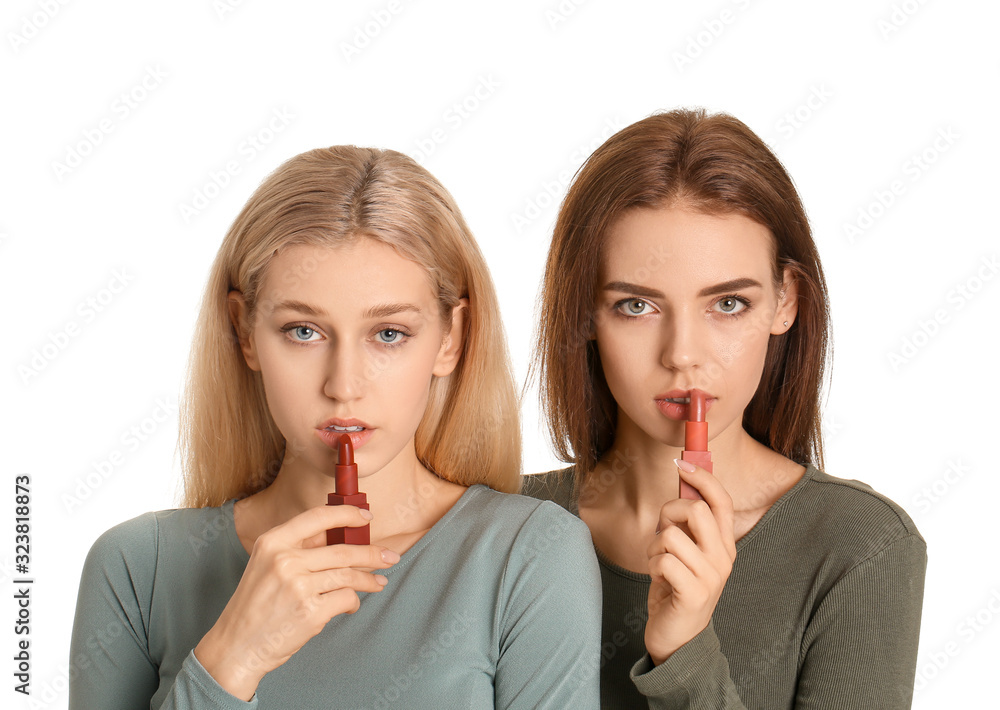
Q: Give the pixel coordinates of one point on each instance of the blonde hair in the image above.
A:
(470, 432)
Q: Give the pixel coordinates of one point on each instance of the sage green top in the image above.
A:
(497, 605)
(821, 610)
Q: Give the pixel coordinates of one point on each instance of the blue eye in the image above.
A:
(304, 331)
(389, 335)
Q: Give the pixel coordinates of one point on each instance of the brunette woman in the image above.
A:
(682, 259)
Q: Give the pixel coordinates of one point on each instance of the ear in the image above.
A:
(239, 316)
(453, 342)
(788, 303)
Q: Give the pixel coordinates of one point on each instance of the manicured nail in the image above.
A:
(390, 557)
(381, 579)
(366, 514)
(685, 465)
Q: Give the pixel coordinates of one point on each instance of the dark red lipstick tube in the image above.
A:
(346, 474)
(695, 441)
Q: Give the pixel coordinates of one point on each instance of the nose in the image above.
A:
(345, 373)
(682, 344)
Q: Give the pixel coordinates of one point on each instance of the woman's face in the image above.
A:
(686, 300)
(348, 339)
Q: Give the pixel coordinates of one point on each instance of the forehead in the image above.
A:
(360, 271)
(678, 243)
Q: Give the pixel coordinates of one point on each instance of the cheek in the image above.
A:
(622, 360)
(741, 357)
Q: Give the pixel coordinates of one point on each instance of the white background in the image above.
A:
(102, 273)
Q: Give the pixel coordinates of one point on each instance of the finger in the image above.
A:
(347, 578)
(674, 541)
(312, 522)
(698, 520)
(718, 499)
(667, 568)
(367, 557)
(710, 538)
(339, 601)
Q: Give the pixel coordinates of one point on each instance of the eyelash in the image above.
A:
(388, 346)
(747, 307)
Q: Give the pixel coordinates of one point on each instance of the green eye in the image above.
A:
(731, 305)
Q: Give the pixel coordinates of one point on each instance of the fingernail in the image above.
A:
(390, 557)
(381, 579)
(686, 466)
(366, 514)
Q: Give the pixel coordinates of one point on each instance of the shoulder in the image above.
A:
(848, 518)
(139, 542)
(557, 486)
(528, 524)
(868, 510)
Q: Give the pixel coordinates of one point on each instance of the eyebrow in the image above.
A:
(382, 310)
(645, 292)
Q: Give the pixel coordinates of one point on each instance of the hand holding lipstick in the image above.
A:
(689, 561)
(293, 585)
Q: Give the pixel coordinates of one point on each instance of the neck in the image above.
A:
(404, 497)
(639, 474)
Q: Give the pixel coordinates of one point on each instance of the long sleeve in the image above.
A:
(110, 647)
(550, 623)
(859, 650)
(695, 677)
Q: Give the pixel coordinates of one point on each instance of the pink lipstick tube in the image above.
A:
(346, 474)
(695, 441)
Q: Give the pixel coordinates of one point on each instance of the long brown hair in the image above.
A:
(470, 431)
(717, 165)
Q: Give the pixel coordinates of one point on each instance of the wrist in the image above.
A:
(232, 674)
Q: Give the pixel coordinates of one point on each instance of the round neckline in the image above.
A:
(234, 540)
(606, 562)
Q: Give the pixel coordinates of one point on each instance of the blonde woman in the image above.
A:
(348, 297)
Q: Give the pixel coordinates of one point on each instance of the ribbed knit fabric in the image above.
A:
(821, 610)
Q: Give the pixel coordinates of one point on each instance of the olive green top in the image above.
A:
(821, 610)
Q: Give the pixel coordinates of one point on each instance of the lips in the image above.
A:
(332, 429)
(675, 404)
